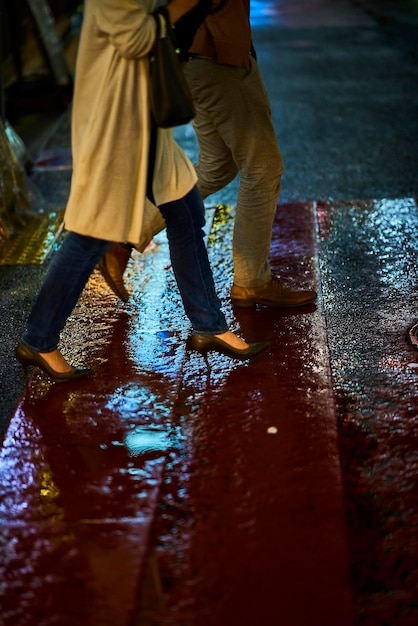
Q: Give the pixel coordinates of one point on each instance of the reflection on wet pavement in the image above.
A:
(213, 460)
(231, 474)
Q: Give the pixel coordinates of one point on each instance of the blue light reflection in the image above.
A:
(264, 13)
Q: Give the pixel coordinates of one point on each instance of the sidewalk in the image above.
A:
(250, 486)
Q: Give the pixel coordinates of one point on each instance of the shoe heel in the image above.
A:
(25, 373)
(190, 348)
(206, 359)
(24, 363)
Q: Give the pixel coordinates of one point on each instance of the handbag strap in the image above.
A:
(169, 30)
(156, 17)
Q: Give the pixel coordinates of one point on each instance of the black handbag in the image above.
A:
(171, 100)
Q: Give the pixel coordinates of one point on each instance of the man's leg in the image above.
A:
(235, 133)
(215, 167)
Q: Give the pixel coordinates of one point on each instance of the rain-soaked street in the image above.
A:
(276, 492)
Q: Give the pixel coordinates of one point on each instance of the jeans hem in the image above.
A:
(44, 350)
(209, 333)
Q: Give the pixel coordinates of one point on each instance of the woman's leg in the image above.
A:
(63, 283)
(185, 219)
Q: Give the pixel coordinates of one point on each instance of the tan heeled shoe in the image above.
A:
(27, 356)
(207, 343)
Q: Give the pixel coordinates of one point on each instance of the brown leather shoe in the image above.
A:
(112, 266)
(274, 294)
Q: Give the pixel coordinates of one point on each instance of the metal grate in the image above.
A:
(32, 244)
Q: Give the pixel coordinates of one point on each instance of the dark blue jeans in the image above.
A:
(78, 256)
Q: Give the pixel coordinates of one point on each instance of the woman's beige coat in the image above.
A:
(110, 126)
